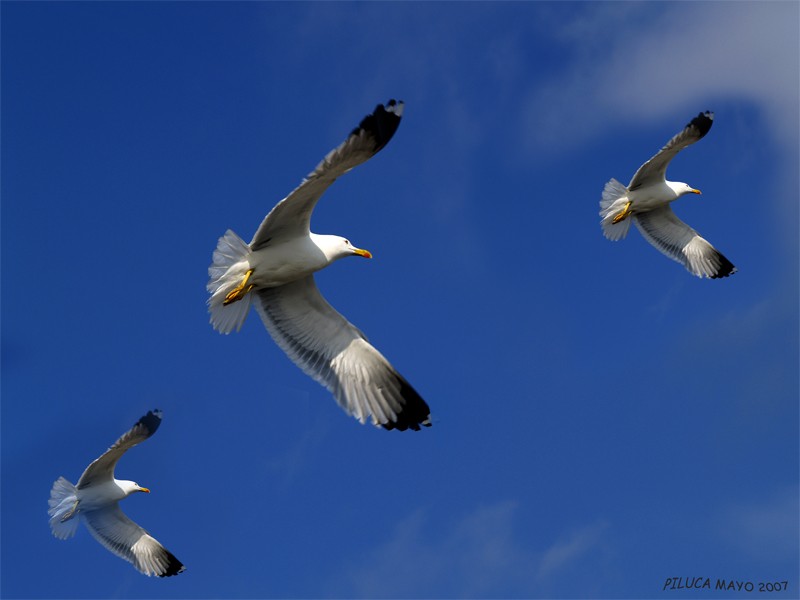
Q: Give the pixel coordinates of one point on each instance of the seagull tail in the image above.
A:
(225, 273)
(63, 501)
(615, 196)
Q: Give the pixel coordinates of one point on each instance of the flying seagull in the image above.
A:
(276, 271)
(95, 501)
(646, 202)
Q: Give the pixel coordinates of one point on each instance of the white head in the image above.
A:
(681, 188)
(130, 487)
(336, 247)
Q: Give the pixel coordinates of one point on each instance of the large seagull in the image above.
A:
(95, 501)
(276, 271)
(646, 202)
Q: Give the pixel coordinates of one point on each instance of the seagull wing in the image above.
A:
(114, 530)
(336, 354)
(292, 215)
(102, 469)
(655, 169)
(681, 243)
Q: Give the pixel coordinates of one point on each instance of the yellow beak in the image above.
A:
(696, 192)
(364, 253)
(141, 489)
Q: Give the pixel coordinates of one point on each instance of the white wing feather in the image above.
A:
(102, 469)
(655, 169)
(337, 355)
(114, 530)
(291, 217)
(675, 239)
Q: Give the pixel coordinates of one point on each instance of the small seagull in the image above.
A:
(95, 501)
(646, 202)
(277, 268)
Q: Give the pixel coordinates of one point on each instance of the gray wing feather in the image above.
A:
(114, 530)
(675, 239)
(102, 468)
(655, 169)
(292, 215)
(336, 354)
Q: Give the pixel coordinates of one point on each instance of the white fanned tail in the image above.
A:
(615, 196)
(62, 506)
(225, 273)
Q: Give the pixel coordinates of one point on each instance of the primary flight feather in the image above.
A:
(276, 271)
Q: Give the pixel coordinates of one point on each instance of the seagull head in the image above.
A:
(681, 188)
(335, 247)
(131, 486)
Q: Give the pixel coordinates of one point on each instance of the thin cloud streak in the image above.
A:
(766, 530)
(484, 554)
(571, 548)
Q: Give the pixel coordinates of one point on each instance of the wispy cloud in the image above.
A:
(766, 384)
(570, 548)
(485, 553)
(476, 556)
(679, 57)
(765, 531)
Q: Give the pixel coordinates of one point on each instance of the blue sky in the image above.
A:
(603, 420)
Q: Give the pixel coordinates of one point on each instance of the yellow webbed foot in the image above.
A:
(240, 291)
(623, 214)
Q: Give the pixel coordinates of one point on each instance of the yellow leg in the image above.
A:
(240, 291)
(623, 214)
(71, 512)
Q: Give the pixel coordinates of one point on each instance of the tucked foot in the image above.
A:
(71, 512)
(240, 291)
(623, 214)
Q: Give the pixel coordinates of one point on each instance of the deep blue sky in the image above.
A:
(603, 420)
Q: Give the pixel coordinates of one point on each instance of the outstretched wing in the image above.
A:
(114, 530)
(681, 243)
(292, 215)
(336, 354)
(102, 468)
(655, 169)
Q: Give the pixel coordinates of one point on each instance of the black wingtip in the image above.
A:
(702, 122)
(382, 123)
(725, 268)
(174, 566)
(415, 414)
(150, 421)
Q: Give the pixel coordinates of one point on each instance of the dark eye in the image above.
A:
(347, 242)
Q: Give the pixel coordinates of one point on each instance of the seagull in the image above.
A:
(646, 202)
(276, 271)
(95, 501)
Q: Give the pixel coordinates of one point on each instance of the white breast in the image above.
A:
(292, 260)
